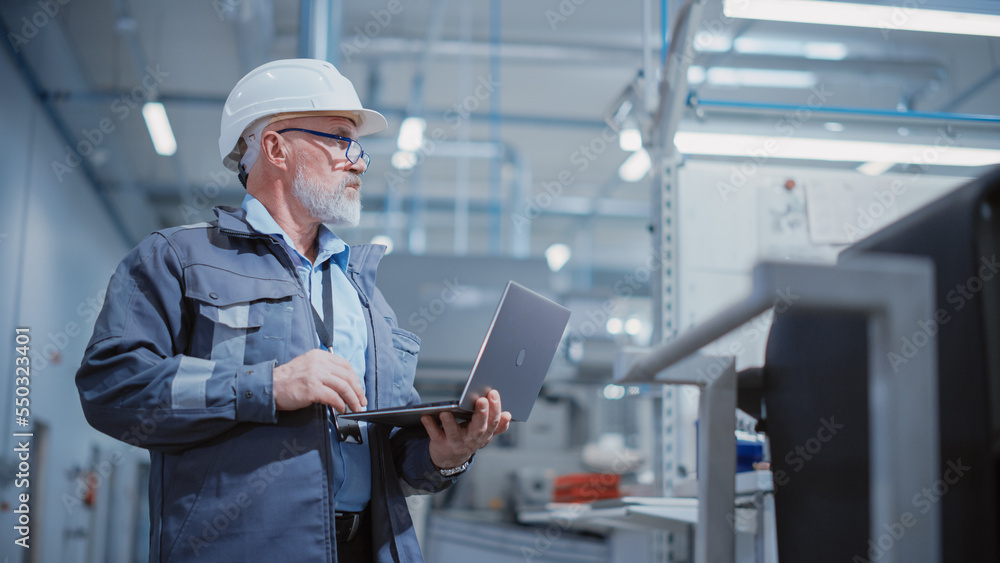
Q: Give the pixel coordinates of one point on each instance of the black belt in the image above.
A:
(348, 525)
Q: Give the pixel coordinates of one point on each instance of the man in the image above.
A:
(222, 348)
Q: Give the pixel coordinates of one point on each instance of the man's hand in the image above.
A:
(453, 444)
(318, 376)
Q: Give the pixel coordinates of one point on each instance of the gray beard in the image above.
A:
(338, 205)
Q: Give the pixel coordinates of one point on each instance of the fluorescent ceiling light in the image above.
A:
(790, 48)
(825, 51)
(888, 18)
(411, 134)
(833, 126)
(696, 74)
(708, 42)
(762, 147)
(875, 168)
(635, 166)
(752, 77)
(557, 255)
(759, 77)
(403, 160)
(630, 139)
(159, 128)
(613, 392)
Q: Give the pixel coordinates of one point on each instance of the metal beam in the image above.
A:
(253, 21)
(963, 96)
(217, 102)
(304, 46)
(908, 117)
(417, 237)
(496, 179)
(616, 55)
(565, 206)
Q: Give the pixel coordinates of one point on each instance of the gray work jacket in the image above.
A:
(180, 363)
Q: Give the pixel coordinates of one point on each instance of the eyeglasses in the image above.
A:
(353, 152)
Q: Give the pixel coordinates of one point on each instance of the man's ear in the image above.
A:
(274, 148)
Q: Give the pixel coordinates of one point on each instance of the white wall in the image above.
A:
(730, 220)
(728, 223)
(57, 252)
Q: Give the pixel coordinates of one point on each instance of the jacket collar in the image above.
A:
(234, 220)
(363, 265)
(364, 257)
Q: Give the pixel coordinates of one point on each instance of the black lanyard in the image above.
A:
(324, 326)
(347, 430)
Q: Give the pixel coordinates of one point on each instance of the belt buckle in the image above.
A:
(355, 525)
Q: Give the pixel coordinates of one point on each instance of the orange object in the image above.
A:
(90, 497)
(586, 487)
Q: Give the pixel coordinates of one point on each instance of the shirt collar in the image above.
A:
(330, 245)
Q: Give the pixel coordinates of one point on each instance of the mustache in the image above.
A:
(352, 180)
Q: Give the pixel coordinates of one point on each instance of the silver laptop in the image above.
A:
(515, 356)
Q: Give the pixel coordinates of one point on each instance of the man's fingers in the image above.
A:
(351, 395)
(433, 430)
(495, 412)
(479, 425)
(329, 397)
(342, 369)
(504, 425)
(450, 427)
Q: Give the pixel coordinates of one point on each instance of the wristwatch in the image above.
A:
(454, 470)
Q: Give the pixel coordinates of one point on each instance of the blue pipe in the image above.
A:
(694, 102)
(496, 211)
(305, 29)
(664, 34)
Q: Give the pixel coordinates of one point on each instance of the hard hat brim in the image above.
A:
(367, 122)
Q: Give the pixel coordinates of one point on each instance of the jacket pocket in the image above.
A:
(184, 496)
(406, 347)
(240, 320)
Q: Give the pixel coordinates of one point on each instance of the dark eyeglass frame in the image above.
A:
(347, 153)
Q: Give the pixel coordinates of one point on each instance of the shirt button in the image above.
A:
(213, 295)
(248, 394)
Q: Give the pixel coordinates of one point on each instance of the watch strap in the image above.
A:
(454, 470)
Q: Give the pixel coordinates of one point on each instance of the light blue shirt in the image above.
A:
(352, 464)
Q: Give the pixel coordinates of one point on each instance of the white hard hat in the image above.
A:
(293, 88)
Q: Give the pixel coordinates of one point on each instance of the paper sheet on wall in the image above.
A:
(831, 210)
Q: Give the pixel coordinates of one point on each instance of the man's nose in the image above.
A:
(358, 167)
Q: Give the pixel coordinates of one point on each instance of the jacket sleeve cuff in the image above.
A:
(254, 393)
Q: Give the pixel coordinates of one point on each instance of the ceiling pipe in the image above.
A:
(388, 48)
(616, 209)
(417, 239)
(972, 90)
(496, 172)
(907, 117)
(217, 103)
(463, 165)
(498, 154)
(520, 236)
(304, 45)
(335, 22)
(253, 21)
